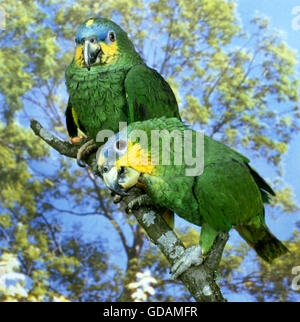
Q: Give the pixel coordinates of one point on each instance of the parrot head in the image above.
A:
(122, 161)
(101, 42)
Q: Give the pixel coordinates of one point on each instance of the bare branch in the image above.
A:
(64, 148)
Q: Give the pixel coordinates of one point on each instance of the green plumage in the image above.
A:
(123, 90)
(228, 194)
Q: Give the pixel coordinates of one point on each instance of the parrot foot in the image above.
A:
(76, 139)
(84, 151)
(117, 198)
(143, 200)
(191, 256)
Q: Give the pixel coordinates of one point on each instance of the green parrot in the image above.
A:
(108, 82)
(225, 192)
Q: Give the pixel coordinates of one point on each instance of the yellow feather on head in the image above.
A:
(89, 22)
(79, 56)
(109, 52)
(136, 158)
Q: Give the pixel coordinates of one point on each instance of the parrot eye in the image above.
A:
(121, 145)
(105, 169)
(111, 36)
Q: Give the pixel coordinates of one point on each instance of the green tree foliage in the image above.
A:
(54, 262)
(239, 85)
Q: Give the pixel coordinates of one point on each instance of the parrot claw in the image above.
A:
(143, 200)
(191, 256)
(84, 151)
(117, 199)
(76, 139)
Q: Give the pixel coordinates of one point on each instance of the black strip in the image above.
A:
(71, 126)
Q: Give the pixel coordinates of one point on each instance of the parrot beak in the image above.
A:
(128, 177)
(91, 50)
(120, 179)
(111, 179)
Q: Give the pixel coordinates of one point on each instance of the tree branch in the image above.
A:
(199, 280)
(64, 148)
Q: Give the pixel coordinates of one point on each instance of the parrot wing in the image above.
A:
(228, 195)
(232, 194)
(148, 95)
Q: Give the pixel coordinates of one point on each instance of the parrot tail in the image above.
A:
(265, 190)
(266, 245)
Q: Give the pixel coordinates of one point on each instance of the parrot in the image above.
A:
(108, 82)
(227, 193)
